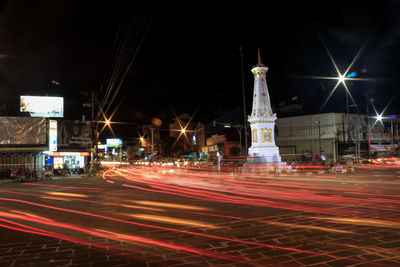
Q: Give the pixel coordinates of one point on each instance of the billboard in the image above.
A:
(74, 134)
(42, 106)
(114, 142)
(22, 131)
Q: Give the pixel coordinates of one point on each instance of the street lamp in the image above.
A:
(244, 102)
(152, 140)
(319, 133)
(341, 78)
(380, 118)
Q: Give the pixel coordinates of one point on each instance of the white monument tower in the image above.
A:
(262, 121)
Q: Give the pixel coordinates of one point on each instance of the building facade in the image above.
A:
(23, 141)
(336, 135)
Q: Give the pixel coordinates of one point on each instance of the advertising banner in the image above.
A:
(381, 148)
(52, 135)
(74, 135)
(114, 142)
(22, 131)
(42, 106)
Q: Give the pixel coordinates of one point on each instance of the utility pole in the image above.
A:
(344, 131)
(152, 140)
(244, 101)
(391, 130)
(94, 132)
(319, 134)
(368, 125)
(92, 106)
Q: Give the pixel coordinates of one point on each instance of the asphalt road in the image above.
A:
(153, 216)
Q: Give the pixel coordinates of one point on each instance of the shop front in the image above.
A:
(23, 141)
(74, 161)
(74, 142)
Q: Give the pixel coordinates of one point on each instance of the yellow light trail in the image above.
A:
(30, 215)
(171, 220)
(170, 205)
(66, 194)
(310, 227)
(141, 207)
(361, 221)
(56, 198)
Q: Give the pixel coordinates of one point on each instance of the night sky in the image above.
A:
(184, 57)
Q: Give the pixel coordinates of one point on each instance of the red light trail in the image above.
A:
(320, 198)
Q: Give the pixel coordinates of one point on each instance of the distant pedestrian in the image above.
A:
(66, 168)
(323, 157)
(293, 165)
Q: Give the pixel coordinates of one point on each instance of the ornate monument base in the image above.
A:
(264, 159)
(265, 154)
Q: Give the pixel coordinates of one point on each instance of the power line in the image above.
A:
(128, 42)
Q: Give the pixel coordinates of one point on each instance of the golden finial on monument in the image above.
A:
(259, 64)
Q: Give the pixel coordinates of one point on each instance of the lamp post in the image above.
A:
(391, 128)
(152, 140)
(244, 102)
(319, 133)
(380, 118)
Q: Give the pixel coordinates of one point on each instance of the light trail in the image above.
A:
(63, 194)
(169, 205)
(348, 200)
(118, 236)
(180, 231)
(255, 196)
(66, 187)
(171, 220)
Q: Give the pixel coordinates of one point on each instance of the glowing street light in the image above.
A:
(380, 118)
(341, 79)
(183, 129)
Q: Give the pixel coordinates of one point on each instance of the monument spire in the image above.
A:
(263, 149)
(259, 64)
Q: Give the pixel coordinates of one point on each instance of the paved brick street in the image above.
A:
(161, 217)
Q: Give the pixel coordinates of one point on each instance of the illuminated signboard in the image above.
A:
(58, 163)
(71, 154)
(114, 142)
(42, 106)
(52, 135)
